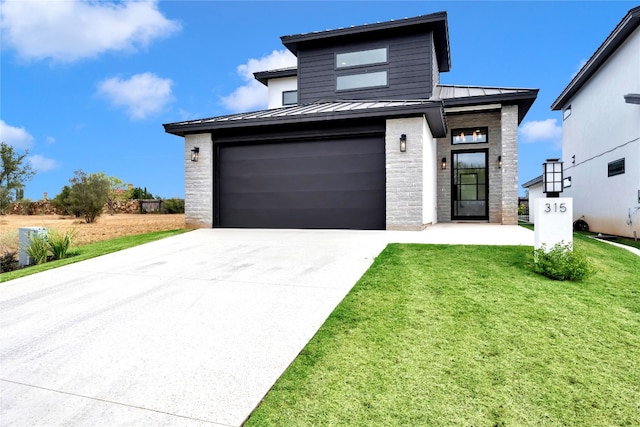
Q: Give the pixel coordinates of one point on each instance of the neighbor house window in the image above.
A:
(566, 112)
(290, 97)
(475, 135)
(361, 57)
(616, 167)
(566, 183)
(363, 80)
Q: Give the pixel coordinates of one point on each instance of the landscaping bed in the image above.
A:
(106, 226)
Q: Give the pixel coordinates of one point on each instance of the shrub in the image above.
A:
(8, 261)
(38, 248)
(173, 206)
(60, 243)
(562, 262)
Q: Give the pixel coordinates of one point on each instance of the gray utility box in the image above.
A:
(24, 240)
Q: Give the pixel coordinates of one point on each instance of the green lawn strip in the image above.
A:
(469, 336)
(92, 250)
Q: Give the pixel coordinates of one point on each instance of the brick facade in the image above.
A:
(198, 181)
(503, 181)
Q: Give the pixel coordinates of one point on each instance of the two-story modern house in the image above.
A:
(360, 135)
(601, 133)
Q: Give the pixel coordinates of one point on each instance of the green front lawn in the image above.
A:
(438, 335)
(92, 250)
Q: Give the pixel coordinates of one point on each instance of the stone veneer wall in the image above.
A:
(492, 120)
(198, 181)
(509, 165)
(404, 173)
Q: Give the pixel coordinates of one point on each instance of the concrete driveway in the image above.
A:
(190, 330)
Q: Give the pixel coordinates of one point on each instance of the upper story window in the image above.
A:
(616, 167)
(475, 135)
(566, 112)
(290, 97)
(362, 80)
(361, 57)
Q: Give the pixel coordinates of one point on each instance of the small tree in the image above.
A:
(14, 172)
(117, 190)
(88, 194)
(141, 194)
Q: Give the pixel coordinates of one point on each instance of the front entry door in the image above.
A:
(470, 185)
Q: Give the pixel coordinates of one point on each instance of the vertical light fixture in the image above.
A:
(403, 142)
(195, 154)
(553, 177)
(444, 163)
(499, 162)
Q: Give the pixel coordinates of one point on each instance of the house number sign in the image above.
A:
(555, 207)
(554, 222)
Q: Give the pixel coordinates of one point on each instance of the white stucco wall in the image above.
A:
(535, 192)
(277, 86)
(603, 128)
(430, 187)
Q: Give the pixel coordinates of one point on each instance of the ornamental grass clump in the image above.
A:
(562, 262)
(60, 243)
(38, 248)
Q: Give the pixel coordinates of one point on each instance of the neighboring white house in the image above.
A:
(601, 134)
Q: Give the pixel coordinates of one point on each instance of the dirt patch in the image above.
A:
(106, 226)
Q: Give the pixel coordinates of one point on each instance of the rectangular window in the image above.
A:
(566, 113)
(358, 81)
(362, 57)
(469, 135)
(616, 167)
(567, 182)
(290, 97)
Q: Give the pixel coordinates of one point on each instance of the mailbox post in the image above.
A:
(554, 214)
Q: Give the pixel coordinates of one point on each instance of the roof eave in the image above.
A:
(624, 29)
(524, 99)
(534, 181)
(432, 110)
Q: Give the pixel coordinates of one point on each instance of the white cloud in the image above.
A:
(141, 95)
(68, 30)
(253, 94)
(41, 163)
(582, 63)
(50, 140)
(15, 136)
(542, 131)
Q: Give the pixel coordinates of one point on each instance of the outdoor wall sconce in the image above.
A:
(499, 162)
(195, 154)
(403, 143)
(553, 177)
(444, 163)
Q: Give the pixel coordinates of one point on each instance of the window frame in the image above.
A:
(614, 168)
(364, 64)
(386, 84)
(286, 104)
(455, 133)
(566, 112)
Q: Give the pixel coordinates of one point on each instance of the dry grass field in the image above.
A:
(106, 226)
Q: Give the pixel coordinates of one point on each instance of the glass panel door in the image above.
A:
(470, 185)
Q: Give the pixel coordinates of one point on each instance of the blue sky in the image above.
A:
(88, 85)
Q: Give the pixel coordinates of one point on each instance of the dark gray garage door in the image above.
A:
(338, 183)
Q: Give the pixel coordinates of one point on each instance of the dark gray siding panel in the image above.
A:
(409, 70)
(337, 183)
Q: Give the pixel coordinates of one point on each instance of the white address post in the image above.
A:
(554, 214)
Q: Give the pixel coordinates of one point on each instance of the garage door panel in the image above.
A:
(316, 184)
(304, 165)
(310, 182)
(336, 218)
(299, 200)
